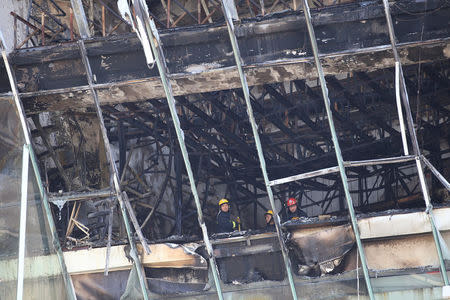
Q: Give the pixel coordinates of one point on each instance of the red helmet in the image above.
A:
(291, 201)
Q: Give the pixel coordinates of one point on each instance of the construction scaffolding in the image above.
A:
(216, 133)
(28, 154)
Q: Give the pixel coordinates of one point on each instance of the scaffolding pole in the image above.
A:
(415, 144)
(436, 173)
(23, 221)
(80, 17)
(114, 176)
(180, 136)
(245, 89)
(360, 163)
(398, 100)
(151, 32)
(337, 148)
(27, 136)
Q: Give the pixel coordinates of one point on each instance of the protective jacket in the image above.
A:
(295, 215)
(270, 226)
(224, 223)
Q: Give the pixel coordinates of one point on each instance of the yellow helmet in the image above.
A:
(269, 212)
(223, 201)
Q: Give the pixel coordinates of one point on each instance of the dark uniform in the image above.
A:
(295, 215)
(270, 226)
(224, 223)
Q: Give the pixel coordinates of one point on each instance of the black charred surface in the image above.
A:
(286, 100)
(295, 138)
(168, 281)
(98, 286)
(262, 41)
(250, 260)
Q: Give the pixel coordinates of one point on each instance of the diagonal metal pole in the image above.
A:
(259, 149)
(155, 43)
(415, 144)
(180, 136)
(436, 173)
(399, 108)
(114, 174)
(26, 132)
(337, 148)
(80, 17)
(52, 226)
(347, 164)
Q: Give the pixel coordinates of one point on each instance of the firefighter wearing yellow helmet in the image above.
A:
(223, 221)
(270, 222)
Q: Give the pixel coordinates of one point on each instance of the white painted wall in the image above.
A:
(7, 21)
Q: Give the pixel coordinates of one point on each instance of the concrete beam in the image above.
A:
(403, 224)
(93, 261)
(161, 256)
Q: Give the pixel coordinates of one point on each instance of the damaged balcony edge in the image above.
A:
(178, 256)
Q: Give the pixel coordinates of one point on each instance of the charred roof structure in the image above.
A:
(125, 122)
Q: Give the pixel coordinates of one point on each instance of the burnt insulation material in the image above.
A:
(166, 287)
(167, 281)
(99, 286)
(251, 268)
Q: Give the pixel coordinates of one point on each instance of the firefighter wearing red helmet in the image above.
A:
(293, 212)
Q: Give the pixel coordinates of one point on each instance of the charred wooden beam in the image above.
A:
(344, 122)
(334, 83)
(191, 143)
(298, 112)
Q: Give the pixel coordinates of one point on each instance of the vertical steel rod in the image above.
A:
(26, 132)
(113, 172)
(103, 21)
(71, 24)
(43, 29)
(15, 33)
(337, 148)
(23, 221)
(415, 144)
(238, 59)
(168, 14)
(399, 108)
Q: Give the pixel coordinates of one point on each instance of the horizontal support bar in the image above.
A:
(80, 196)
(348, 164)
(304, 176)
(381, 161)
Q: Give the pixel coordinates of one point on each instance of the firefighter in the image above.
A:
(293, 212)
(270, 222)
(224, 222)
